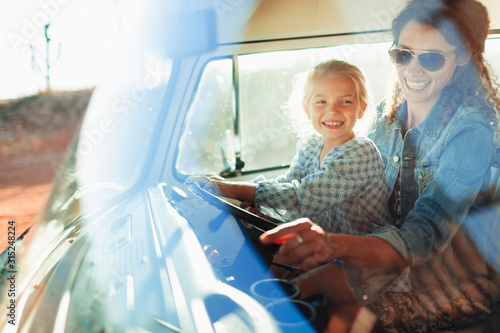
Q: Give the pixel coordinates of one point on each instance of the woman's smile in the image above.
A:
(417, 85)
(422, 88)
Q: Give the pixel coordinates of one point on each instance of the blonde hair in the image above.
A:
(303, 90)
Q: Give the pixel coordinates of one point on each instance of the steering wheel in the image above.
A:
(261, 223)
(253, 224)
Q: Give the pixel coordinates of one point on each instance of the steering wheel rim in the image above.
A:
(256, 225)
(257, 221)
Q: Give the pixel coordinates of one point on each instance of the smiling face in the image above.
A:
(333, 109)
(422, 88)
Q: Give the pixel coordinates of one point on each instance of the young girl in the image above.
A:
(336, 178)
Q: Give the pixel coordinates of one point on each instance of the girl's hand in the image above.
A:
(305, 244)
(206, 183)
(248, 205)
(216, 185)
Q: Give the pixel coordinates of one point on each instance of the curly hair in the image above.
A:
(464, 24)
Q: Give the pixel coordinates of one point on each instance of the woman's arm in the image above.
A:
(445, 200)
(307, 245)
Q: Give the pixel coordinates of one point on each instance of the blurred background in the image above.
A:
(53, 53)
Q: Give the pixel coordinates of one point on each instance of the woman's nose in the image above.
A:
(414, 69)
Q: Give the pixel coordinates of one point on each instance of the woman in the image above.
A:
(436, 138)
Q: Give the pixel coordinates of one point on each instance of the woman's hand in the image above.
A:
(305, 244)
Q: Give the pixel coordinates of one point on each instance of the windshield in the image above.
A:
(236, 120)
(237, 112)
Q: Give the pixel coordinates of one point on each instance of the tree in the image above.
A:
(43, 65)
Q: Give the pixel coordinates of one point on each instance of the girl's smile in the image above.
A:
(333, 124)
(333, 109)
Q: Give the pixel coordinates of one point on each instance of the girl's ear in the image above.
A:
(362, 111)
(306, 109)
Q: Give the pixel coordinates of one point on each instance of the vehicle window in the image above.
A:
(90, 176)
(265, 83)
(209, 130)
(492, 54)
(211, 142)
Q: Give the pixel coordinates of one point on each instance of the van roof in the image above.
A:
(285, 19)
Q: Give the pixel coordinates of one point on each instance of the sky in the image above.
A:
(84, 37)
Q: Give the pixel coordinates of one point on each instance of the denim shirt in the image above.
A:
(444, 166)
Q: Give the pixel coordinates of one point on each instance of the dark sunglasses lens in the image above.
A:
(400, 58)
(431, 61)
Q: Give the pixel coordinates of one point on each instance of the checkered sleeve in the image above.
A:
(344, 170)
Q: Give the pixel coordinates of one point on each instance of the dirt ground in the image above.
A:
(34, 135)
(21, 203)
(24, 191)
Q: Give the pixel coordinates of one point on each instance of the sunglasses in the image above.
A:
(429, 60)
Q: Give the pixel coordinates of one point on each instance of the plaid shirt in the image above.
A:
(348, 194)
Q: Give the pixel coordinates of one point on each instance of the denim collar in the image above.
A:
(431, 126)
